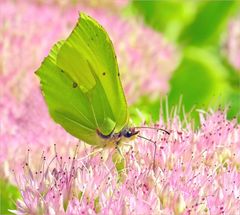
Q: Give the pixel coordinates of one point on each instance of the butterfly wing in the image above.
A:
(81, 86)
(88, 57)
(67, 105)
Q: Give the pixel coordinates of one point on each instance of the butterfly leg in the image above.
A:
(118, 149)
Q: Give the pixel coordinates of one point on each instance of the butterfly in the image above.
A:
(81, 84)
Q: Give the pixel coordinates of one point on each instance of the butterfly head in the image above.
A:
(125, 135)
(129, 133)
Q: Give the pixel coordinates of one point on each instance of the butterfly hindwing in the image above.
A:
(67, 105)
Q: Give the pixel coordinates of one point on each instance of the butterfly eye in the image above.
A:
(128, 134)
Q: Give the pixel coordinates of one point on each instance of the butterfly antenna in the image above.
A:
(158, 129)
(155, 148)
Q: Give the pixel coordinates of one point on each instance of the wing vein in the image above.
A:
(82, 115)
(74, 121)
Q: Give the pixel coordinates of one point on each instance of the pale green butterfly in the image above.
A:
(82, 88)
(81, 84)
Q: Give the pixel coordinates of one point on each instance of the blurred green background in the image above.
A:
(204, 78)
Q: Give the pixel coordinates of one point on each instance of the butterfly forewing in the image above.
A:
(88, 54)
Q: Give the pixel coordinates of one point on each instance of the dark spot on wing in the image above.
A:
(74, 85)
(62, 70)
(104, 73)
(118, 74)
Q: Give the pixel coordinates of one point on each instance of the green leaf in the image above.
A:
(120, 164)
(80, 195)
(8, 196)
(200, 79)
(210, 21)
(145, 109)
(97, 205)
(65, 205)
(234, 101)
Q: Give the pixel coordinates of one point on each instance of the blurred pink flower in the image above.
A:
(115, 6)
(29, 30)
(26, 37)
(232, 43)
(196, 172)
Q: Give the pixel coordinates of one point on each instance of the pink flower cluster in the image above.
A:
(232, 43)
(196, 172)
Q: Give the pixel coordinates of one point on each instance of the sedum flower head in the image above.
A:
(196, 172)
